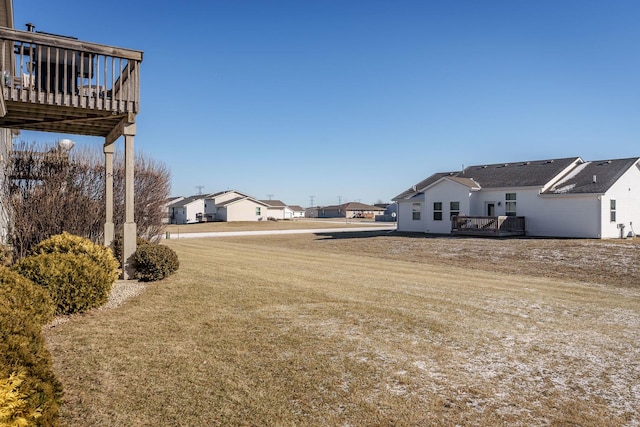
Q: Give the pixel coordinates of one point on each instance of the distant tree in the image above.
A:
(49, 191)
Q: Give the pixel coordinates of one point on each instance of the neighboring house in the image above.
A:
(312, 212)
(298, 211)
(555, 198)
(167, 213)
(227, 206)
(187, 210)
(277, 209)
(349, 210)
(242, 208)
(390, 213)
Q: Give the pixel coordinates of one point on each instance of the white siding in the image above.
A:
(445, 192)
(575, 216)
(626, 193)
(406, 222)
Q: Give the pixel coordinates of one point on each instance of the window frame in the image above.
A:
(416, 213)
(612, 210)
(510, 204)
(437, 211)
(454, 211)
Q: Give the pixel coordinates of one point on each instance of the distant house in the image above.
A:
(186, 210)
(349, 210)
(298, 211)
(566, 197)
(276, 209)
(166, 218)
(227, 206)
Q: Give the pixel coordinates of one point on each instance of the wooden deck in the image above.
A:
(491, 226)
(59, 84)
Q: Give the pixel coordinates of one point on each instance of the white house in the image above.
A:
(277, 209)
(187, 210)
(298, 211)
(556, 198)
(227, 206)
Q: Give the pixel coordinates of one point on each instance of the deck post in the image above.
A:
(129, 240)
(109, 230)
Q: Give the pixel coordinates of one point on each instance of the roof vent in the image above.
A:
(595, 179)
(484, 167)
(550, 161)
(414, 188)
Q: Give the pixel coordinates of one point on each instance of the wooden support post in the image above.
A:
(129, 238)
(109, 230)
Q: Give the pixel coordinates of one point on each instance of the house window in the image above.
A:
(437, 211)
(612, 211)
(510, 204)
(454, 209)
(415, 211)
(258, 210)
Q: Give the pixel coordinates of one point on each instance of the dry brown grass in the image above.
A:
(369, 330)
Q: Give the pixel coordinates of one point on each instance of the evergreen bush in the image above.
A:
(117, 246)
(14, 407)
(70, 244)
(154, 262)
(33, 302)
(76, 282)
(37, 394)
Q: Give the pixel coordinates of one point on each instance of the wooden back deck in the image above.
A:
(495, 226)
(60, 84)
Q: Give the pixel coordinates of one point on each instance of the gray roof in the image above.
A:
(274, 203)
(535, 173)
(187, 200)
(593, 177)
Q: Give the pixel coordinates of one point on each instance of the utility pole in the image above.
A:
(311, 199)
(199, 187)
(269, 196)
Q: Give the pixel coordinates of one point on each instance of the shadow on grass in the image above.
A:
(362, 234)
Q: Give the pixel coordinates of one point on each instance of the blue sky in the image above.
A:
(358, 100)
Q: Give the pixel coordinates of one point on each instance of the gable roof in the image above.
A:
(239, 199)
(296, 208)
(537, 173)
(274, 203)
(592, 177)
(183, 202)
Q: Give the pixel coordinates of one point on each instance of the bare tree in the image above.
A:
(48, 191)
(152, 184)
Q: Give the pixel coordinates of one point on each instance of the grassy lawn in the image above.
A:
(365, 329)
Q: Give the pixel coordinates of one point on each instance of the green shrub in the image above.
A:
(26, 297)
(117, 246)
(22, 350)
(154, 262)
(76, 282)
(66, 243)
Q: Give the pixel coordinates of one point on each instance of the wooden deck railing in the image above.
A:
(55, 70)
(488, 225)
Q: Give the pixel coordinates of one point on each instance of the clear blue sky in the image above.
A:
(362, 99)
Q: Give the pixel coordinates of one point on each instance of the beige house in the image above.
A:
(228, 206)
